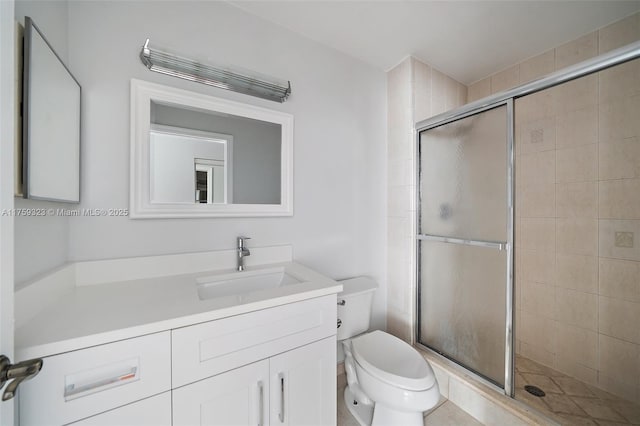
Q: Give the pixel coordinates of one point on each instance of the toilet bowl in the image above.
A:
(389, 382)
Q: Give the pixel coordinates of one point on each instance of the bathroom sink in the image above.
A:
(237, 283)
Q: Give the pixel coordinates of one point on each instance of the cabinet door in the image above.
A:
(154, 411)
(303, 385)
(237, 397)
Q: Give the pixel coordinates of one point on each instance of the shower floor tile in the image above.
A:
(570, 401)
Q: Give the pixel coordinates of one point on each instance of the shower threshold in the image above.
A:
(568, 400)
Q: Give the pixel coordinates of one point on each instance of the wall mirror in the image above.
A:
(194, 155)
(50, 123)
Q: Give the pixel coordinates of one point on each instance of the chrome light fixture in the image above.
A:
(249, 83)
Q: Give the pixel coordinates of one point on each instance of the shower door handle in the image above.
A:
(476, 243)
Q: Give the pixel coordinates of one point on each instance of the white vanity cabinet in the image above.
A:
(75, 385)
(154, 411)
(297, 387)
(303, 385)
(237, 397)
(271, 366)
(275, 366)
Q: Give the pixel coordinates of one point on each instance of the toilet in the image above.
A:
(388, 382)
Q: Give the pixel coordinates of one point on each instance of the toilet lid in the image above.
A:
(393, 361)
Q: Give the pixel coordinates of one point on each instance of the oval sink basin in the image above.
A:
(236, 283)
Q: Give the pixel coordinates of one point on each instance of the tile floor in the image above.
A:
(445, 414)
(570, 401)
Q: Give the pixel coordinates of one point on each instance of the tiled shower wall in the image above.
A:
(578, 213)
(416, 91)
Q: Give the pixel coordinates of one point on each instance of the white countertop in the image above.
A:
(90, 315)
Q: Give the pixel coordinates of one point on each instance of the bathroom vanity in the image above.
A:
(127, 342)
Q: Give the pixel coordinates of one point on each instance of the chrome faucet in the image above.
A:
(243, 251)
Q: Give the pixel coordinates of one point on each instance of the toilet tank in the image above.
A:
(354, 306)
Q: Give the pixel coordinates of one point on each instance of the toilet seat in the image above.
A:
(393, 361)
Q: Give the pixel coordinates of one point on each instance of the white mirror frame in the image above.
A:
(140, 206)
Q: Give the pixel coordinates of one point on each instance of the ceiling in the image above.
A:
(467, 40)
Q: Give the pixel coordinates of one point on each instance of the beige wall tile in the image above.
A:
(462, 94)
(619, 359)
(438, 92)
(619, 199)
(577, 199)
(518, 320)
(619, 318)
(620, 81)
(578, 50)
(576, 94)
(479, 89)
(451, 94)
(422, 90)
(616, 386)
(619, 159)
(574, 369)
(536, 136)
(538, 234)
(538, 200)
(400, 143)
(620, 279)
(538, 331)
(399, 233)
(537, 168)
(607, 229)
(537, 354)
(399, 201)
(618, 119)
(577, 236)
(537, 266)
(399, 172)
(535, 106)
(505, 79)
(399, 324)
(538, 66)
(620, 33)
(577, 127)
(577, 272)
(538, 299)
(577, 308)
(399, 93)
(576, 345)
(577, 164)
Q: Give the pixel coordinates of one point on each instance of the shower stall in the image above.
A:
(528, 239)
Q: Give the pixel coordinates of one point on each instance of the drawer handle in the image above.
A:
(281, 414)
(260, 403)
(73, 391)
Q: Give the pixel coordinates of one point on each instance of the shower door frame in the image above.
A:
(495, 245)
(607, 60)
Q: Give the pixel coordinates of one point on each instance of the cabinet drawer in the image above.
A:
(79, 384)
(154, 411)
(213, 347)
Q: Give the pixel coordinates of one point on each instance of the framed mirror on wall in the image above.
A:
(194, 155)
(50, 122)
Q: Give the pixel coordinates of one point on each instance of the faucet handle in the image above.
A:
(241, 241)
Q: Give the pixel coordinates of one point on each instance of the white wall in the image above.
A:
(339, 106)
(42, 243)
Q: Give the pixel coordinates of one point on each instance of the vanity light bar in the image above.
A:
(262, 87)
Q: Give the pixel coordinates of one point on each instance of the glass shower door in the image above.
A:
(464, 242)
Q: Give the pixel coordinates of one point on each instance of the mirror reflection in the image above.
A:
(209, 157)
